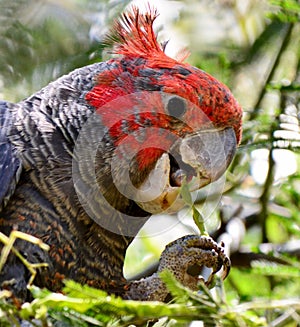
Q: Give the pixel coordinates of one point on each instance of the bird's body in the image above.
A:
(44, 192)
(47, 158)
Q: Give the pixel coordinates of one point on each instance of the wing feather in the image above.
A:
(10, 164)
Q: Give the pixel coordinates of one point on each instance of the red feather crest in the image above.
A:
(133, 35)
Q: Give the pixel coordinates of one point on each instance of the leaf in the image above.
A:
(197, 217)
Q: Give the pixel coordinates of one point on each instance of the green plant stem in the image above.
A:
(264, 199)
(286, 39)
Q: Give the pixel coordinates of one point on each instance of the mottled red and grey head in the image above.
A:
(167, 121)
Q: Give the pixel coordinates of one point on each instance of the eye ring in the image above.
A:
(176, 106)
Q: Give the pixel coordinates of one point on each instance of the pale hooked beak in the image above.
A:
(198, 159)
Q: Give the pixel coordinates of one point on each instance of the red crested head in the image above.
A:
(143, 67)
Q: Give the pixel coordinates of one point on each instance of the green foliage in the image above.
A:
(85, 306)
(40, 42)
(287, 10)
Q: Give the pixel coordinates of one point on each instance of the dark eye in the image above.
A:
(176, 107)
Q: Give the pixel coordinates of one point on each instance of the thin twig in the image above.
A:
(8, 247)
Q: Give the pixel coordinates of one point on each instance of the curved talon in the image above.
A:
(226, 267)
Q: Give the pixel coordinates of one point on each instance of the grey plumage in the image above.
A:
(37, 194)
(10, 165)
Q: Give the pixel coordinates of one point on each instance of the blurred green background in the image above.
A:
(253, 46)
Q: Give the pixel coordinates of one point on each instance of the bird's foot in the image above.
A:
(185, 258)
